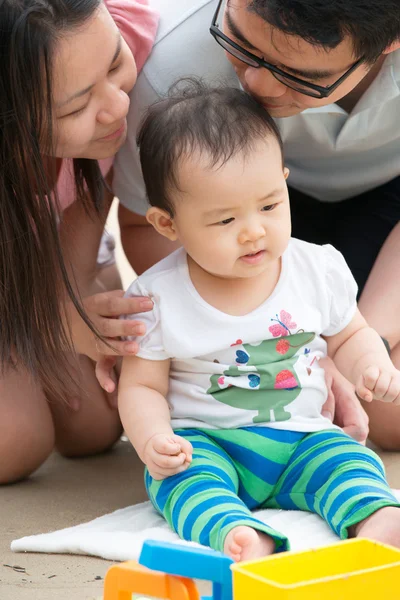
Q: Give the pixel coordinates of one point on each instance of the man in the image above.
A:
(329, 72)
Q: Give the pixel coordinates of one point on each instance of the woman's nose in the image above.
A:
(263, 84)
(115, 107)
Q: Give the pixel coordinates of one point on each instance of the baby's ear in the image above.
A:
(394, 46)
(162, 222)
(286, 172)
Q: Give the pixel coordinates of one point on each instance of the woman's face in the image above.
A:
(94, 71)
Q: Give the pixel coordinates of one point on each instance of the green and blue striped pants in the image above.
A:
(235, 471)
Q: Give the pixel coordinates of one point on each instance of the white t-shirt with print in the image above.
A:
(260, 369)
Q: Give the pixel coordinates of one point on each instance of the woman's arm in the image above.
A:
(80, 236)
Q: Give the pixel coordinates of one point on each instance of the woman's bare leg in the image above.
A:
(95, 426)
(91, 428)
(26, 426)
(31, 425)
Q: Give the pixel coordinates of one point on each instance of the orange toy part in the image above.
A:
(129, 578)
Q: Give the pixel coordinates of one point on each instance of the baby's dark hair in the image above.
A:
(219, 122)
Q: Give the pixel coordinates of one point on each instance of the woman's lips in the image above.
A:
(116, 134)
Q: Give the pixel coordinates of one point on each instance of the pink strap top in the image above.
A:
(137, 23)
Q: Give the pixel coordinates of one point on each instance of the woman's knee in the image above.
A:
(26, 427)
(94, 426)
(81, 437)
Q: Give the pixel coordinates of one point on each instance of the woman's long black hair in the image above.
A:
(34, 285)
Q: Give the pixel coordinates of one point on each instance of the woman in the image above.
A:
(65, 74)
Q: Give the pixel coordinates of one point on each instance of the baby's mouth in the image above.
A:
(253, 257)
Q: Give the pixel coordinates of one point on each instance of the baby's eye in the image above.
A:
(269, 207)
(226, 221)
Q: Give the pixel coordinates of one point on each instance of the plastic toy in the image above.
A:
(351, 569)
(130, 577)
(344, 571)
(179, 564)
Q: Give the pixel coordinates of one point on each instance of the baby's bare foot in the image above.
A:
(382, 526)
(246, 543)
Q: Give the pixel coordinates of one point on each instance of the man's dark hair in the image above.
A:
(372, 24)
(217, 122)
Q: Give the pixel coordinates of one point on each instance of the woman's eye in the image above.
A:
(79, 111)
(75, 113)
(269, 207)
(226, 221)
(115, 67)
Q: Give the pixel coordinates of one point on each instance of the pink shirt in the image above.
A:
(137, 23)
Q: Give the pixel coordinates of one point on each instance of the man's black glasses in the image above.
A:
(304, 87)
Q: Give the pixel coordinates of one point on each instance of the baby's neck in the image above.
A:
(238, 296)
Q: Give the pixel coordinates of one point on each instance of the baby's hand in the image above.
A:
(379, 384)
(166, 455)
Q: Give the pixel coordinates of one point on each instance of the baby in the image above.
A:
(223, 402)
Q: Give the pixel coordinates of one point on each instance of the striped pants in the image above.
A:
(235, 471)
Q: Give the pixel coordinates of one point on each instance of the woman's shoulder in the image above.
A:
(137, 22)
(66, 190)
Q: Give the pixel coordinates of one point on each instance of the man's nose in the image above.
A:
(263, 84)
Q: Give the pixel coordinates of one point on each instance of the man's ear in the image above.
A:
(286, 172)
(394, 46)
(162, 222)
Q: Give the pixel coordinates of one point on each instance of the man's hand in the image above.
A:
(379, 384)
(342, 406)
(165, 455)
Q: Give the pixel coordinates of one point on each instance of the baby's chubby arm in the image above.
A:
(361, 356)
(145, 416)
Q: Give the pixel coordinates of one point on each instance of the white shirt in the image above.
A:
(331, 155)
(260, 369)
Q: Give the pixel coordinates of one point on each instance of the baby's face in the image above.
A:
(234, 221)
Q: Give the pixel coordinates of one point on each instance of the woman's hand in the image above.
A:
(342, 406)
(104, 310)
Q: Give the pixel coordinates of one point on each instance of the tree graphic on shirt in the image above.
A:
(263, 378)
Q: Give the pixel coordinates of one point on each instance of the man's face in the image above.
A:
(291, 54)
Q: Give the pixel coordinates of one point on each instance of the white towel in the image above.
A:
(120, 535)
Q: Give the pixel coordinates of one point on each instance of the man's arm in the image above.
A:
(142, 244)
